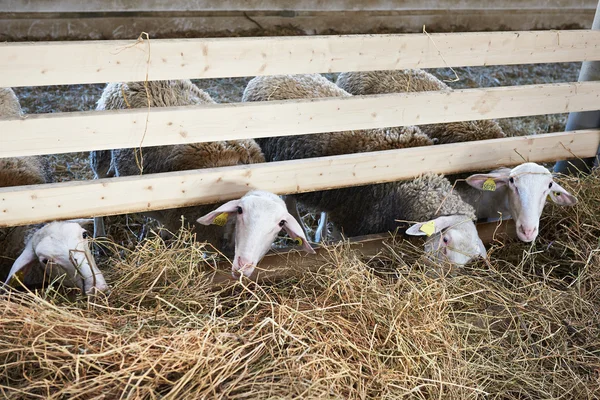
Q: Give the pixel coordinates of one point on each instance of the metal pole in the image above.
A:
(590, 71)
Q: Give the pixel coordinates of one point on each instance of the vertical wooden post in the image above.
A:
(590, 71)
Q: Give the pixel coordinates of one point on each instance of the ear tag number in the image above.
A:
(221, 219)
(428, 228)
(489, 185)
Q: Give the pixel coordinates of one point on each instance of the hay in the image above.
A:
(526, 325)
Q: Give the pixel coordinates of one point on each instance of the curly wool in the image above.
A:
(372, 209)
(286, 87)
(430, 196)
(122, 162)
(120, 96)
(9, 104)
(415, 80)
(17, 171)
(358, 210)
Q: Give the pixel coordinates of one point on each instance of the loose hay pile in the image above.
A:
(526, 325)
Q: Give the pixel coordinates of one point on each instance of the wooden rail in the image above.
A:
(128, 60)
(118, 19)
(94, 130)
(105, 6)
(31, 204)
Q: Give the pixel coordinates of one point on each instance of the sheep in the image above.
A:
(428, 199)
(284, 87)
(191, 156)
(56, 249)
(260, 216)
(520, 192)
(315, 86)
(374, 208)
(415, 80)
(304, 146)
(123, 162)
(41, 252)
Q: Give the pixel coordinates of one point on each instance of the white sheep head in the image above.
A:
(260, 216)
(61, 248)
(451, 238)
(525, 189)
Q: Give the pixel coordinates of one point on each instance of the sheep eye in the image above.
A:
(446, 240)
(550, 185)
(239, 210)
(282, 223)
(85, 235)
(44, 261)
(512, 180)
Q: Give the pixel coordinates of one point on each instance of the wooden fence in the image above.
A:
(49, 63)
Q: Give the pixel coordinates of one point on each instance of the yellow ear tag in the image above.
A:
(489, 184)
(298, 241)
(20, 275)
(428, 228)
(221, 219)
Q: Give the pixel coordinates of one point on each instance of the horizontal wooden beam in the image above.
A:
(24, 205)
(98, 130)
(283, 263)
(107, 6)
(171, 24)
(52, 63)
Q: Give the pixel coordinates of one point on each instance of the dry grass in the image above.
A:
(526, 325)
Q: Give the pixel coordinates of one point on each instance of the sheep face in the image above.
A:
(451, 239)
(525, 189)
(260, 216)
(61, 248)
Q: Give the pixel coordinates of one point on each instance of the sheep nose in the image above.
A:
(99, 288)
(529, 233)
(244, 266)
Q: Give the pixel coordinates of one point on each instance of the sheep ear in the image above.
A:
(215, 217)
(435, 225)
(415, 230)
(22, 265)
(488, 182)
(293, 228)
(482, 250)
(561, 197)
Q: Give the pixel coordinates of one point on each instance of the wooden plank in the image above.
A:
(24, 205)
(107, 6)
(172, 24)
(77, 20)
(288, 262)
(95, 130)
(51, 63)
